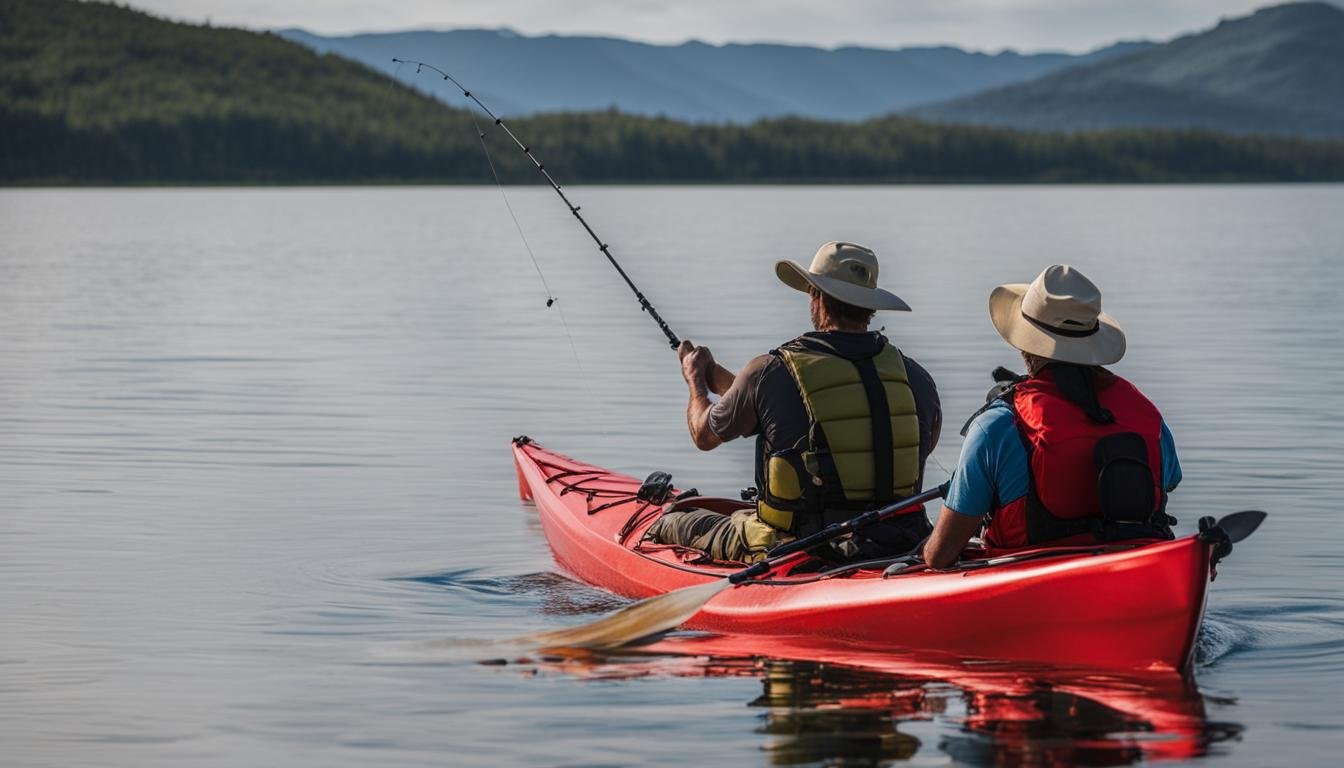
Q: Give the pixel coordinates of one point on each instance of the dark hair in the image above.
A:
(846, 314)
(1078, 385)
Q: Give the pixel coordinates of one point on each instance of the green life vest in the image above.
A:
(862, 446)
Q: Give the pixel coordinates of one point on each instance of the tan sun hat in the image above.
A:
(844, 271)
(1058, 316)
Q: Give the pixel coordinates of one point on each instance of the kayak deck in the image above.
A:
(1131, 607)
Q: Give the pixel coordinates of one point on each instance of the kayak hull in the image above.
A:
(1138, 607)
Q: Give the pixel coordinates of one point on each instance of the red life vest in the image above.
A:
(1063, 503)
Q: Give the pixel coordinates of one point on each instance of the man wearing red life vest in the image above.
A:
(1070, 453)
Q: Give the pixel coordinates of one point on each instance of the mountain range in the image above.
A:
(96, 93)
(1277, 71)
(696, 82)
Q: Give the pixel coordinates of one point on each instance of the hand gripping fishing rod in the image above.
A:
(574, 209)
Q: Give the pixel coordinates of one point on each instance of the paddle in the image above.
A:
(1234, 527)
(1226, 532)
(663, 612)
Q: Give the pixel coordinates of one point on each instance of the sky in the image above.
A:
(988, 25)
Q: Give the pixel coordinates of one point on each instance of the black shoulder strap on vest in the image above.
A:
(880, 413)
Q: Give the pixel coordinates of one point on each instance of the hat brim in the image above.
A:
(799, 279)
(1104, 347)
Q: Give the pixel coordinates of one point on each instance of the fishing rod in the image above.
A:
(574, 209)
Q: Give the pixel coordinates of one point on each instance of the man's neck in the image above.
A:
(835, 328)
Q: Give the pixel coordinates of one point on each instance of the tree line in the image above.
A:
(96, 93)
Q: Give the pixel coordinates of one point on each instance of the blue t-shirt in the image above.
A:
(993, 457)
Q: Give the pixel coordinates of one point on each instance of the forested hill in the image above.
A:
(95, 93)
(1279, 70)
(90, 91)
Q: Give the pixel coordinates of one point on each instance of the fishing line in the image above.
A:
(947, 471)
(644, 304)
(551, 298)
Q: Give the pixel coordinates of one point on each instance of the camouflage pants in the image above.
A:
(744, 538)
(741, 537)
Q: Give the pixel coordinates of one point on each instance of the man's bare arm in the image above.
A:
(717, 378)
(949, 537)
(698, 367)
(720, 379)
(697, 417)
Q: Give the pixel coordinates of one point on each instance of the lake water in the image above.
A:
(254, 467)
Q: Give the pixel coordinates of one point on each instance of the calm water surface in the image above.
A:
(258, 506)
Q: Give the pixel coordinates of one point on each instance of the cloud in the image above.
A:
(1074, 25)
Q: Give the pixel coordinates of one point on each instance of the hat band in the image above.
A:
(1072, 334)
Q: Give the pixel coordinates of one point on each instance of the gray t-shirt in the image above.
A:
(764, 401)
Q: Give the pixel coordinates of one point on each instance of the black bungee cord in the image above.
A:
(574, 209)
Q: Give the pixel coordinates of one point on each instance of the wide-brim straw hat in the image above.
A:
(843, 271)
(1057, 316)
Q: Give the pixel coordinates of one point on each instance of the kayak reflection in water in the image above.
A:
(1070, 453)
(843, 422)
(835, 706)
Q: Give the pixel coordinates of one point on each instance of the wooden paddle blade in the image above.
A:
(634, 622)
(1239, 525)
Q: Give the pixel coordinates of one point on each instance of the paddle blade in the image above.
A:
(1239, 525)
(633, 622)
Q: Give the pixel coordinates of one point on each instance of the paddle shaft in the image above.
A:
(835, 531)
(644, 304)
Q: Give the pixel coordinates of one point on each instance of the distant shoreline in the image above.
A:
(392, 184)
(100, 95)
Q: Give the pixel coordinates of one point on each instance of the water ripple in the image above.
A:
(553, 594)
(258, 503)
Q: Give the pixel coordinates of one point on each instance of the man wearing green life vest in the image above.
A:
(843, 422)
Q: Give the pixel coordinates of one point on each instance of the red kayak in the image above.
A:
(1130, 605)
